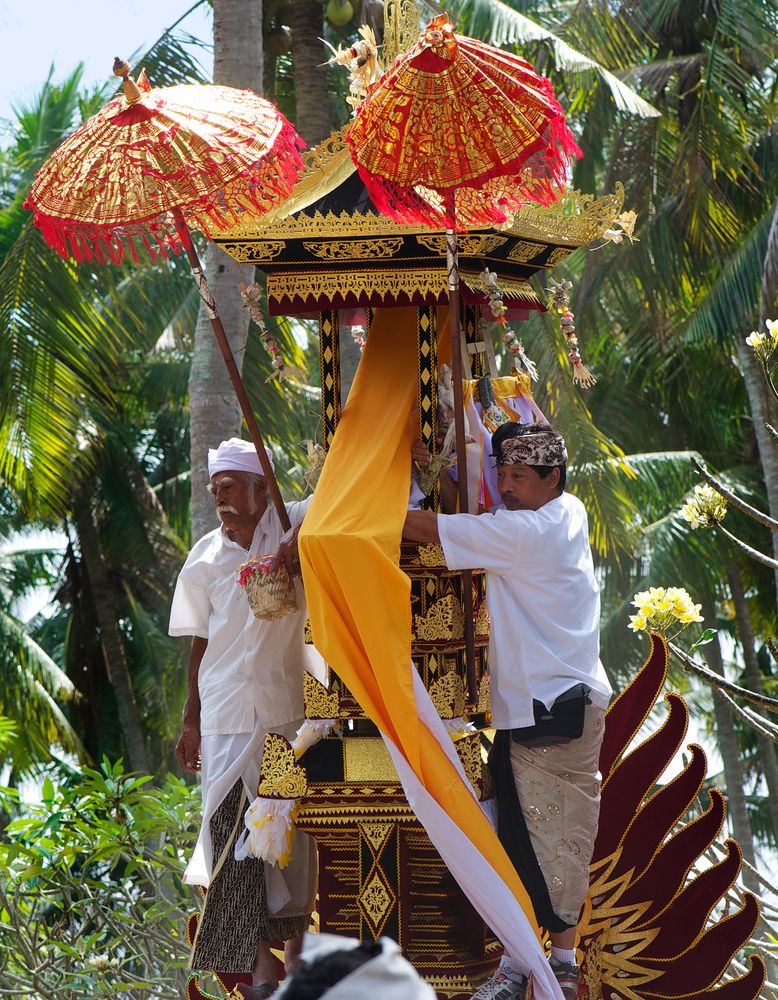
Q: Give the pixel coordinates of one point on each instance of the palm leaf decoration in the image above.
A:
(499, 24)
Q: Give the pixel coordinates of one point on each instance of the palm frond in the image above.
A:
(499, 24)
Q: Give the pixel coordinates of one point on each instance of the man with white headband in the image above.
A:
(548, 688)
(245, 678)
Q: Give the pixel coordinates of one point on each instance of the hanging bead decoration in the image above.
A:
(251, 295)
(560, 302)
(498, 309)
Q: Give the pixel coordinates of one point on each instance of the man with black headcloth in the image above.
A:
(548, 688)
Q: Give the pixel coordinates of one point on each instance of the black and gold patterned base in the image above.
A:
(379, 873)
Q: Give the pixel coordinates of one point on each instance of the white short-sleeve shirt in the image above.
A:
(543, 601)
(251, 669)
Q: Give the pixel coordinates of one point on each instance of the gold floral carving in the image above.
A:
(376, 834)
(483, 694)
(378, 249)
(320, 703)
(280, 776)
(557, 256)
(469, 751)
(448, 695)
(444, 620)
(255, 252)
(320, 156)
(431, 554)
(524, 251)
(376, 899)
(401, 28)
(326, 166)
(481, 621)
(468, 245)
(575, 218)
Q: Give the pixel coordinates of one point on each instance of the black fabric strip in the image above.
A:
(514, 835)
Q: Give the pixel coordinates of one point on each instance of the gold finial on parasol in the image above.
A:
(131, 92)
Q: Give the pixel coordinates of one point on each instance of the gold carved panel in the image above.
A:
(469, 751)
(392, 284)
(378, 249)
(280, 775)
(448, 695)
(525, 251)
(444, 620)
(557, 256)
(468, 245)
(320, 703)
(254, 251)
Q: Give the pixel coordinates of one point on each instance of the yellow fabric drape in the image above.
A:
(358, 597)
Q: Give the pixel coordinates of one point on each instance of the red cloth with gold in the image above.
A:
(460, 134)
(212, 151)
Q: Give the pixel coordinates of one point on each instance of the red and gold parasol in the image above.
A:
(460, 134)
(152, 164)
(211, 152)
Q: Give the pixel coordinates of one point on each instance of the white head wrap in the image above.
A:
(236, 455)
(388, 975)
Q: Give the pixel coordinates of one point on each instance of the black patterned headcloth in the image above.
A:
(528, 444)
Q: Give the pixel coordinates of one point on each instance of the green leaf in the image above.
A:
(707, 636)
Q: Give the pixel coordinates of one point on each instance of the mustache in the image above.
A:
(225, 508)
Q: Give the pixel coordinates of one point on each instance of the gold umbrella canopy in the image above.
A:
(460, 134)
(209, 152)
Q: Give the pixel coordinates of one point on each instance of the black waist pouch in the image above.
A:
(563, 722)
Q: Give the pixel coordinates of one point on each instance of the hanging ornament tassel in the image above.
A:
(251, 295)
(498, 309)
(560, 302)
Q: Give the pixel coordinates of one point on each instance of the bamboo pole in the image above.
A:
(232, 367)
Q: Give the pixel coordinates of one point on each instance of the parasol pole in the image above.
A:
(232, 367)
(452, 270)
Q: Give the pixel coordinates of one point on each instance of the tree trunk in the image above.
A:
(763, 412)
(764, 409)
(733, 772)
(213, 408)
(312, 103)
(106, 612)
(768, 757)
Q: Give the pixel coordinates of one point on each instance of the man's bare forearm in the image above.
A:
(421, 526)
(192, 705)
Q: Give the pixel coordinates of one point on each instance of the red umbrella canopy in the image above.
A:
(212, 152)
(459, 134)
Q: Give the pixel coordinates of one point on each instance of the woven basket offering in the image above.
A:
(270, 595)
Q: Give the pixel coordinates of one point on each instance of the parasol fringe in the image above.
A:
(255, 188)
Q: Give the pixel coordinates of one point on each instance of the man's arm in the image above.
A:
(421, 526)
(188, 746)
(288, 554)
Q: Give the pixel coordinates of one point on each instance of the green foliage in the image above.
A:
(91, 898)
